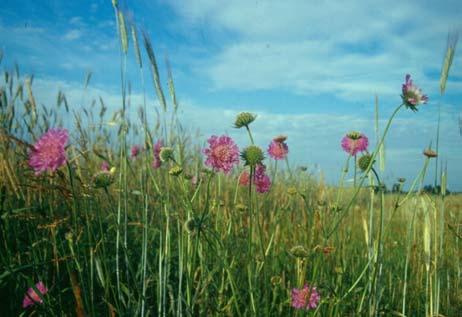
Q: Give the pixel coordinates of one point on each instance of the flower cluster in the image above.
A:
(49, 152)
(305, 298)
(261, 181)
(278, 149)
(156, 163)
(412, 95)
(354, 142)
(32, 297)
(222, 153)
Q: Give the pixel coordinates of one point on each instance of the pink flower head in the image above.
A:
(244, 178)
(305, 298)
(157, 162)
(261, 180)
(32, 297)
(412, 95)
(354, 142)
(278, 149)
(49, 153)
(222, 153)
(105, 166)
(134, 151)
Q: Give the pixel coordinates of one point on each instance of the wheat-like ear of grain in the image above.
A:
(171, 85)
(136, 45)
(451, 48)
(122, 31)
(155, 71)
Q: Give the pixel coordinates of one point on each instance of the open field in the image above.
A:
(93, 224)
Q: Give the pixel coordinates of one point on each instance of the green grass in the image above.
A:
(154, 244)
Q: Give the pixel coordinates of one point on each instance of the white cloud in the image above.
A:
(73, 35)
(311, 47)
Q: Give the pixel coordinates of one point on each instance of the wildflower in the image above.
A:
(244, 178)
(252, 155)
(292, 191)
(412, 95)
(278, 149)
(243, 119)
(103, 179)
(430, 153)
(222, 153)
(299, 251)
(157, 147)
(32, 297)
(166, 154)
(261, 180)
(49, 153)
(305, 298)
(364, 162)
(134, 151)
(354, 142)
(176, 170)
(105, 166)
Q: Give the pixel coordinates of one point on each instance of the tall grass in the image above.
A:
(155, 242)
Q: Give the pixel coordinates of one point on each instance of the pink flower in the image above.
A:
(134, 151)
(49, 153)
(278, 149)
(244, 178)
(32, 297)
(261, 180)
(105, 166)
(222, 153)
(412, 95)
(354, 142)
(305, 298)
(157, 162)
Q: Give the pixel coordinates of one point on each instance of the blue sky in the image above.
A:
(309, 69)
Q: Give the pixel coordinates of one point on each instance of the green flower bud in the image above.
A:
(364, 161)
(166, 154)
(252, 155)
(103, 179)
(299, 251)
(176, 170)
(244, 119)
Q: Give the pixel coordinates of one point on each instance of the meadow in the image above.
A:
(93, 224)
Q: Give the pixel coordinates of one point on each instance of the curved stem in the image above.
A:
(250, 134)
(374, 155)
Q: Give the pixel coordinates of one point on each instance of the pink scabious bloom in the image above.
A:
(305, 298)
(157, 162)
(134, 151)
(261, 180)
(244, 178)
(412, 95)
(32, 297)
(49, 153)
(278, 149)
(355, 142)
(222, 153)
(105, 166)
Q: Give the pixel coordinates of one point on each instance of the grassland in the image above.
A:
(192, 242)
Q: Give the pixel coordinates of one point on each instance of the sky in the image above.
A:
(309, 69)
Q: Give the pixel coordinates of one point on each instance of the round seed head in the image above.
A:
(364, 161)
(252, 155)
(166, 154)
(103, 179)
(299, 251)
